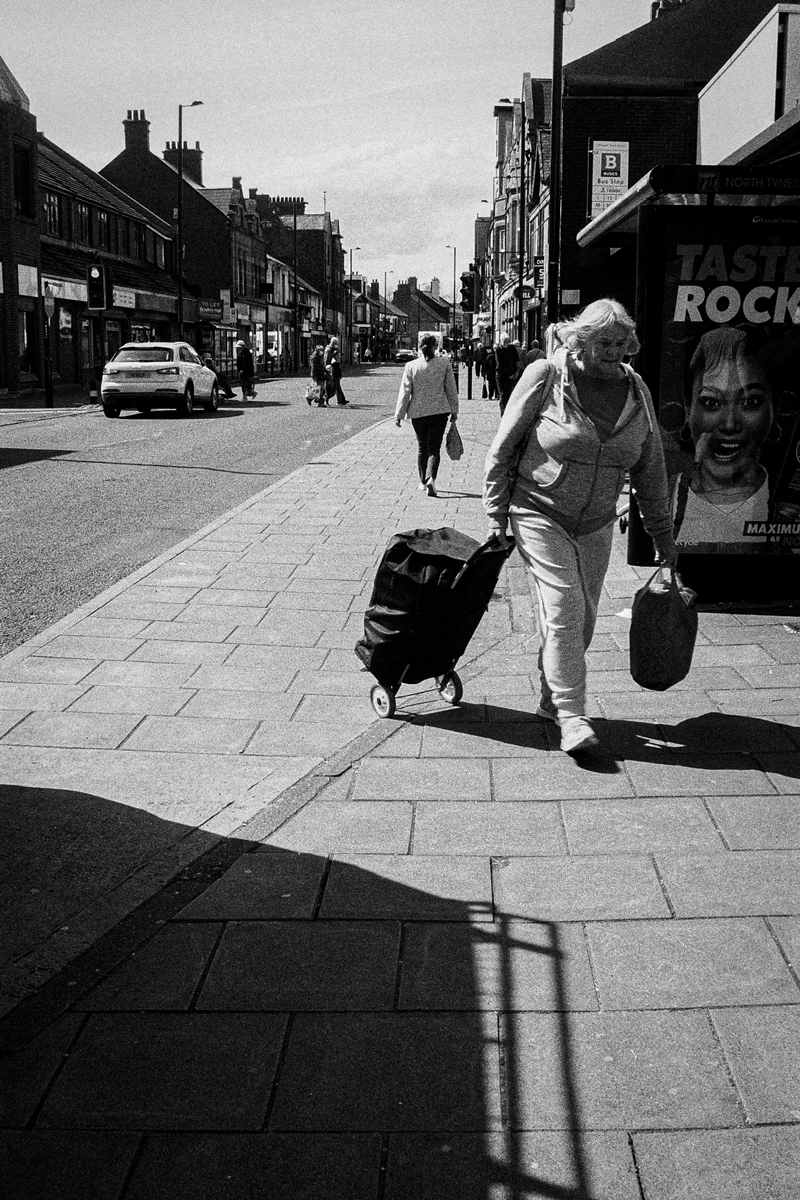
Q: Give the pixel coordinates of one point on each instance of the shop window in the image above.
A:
(53, 214)
(27, 345)
(113, 338)
(84, 230)
(23, 181)
(102, 230)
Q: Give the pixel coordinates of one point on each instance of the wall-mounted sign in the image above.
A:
(209, 310)
(124, 298)
(570, 295)
(608, 174)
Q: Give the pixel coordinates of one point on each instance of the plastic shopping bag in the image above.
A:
(663, 631)
(453, 444)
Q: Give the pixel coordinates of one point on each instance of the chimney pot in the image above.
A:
(129, 114)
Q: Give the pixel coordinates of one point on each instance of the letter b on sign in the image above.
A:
(611, 163)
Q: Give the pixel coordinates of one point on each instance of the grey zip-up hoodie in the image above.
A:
(547, 456)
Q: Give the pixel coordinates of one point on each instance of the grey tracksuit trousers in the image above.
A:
(568, 573)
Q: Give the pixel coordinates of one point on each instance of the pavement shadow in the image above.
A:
(281, 1023)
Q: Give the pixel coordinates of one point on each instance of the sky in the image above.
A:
(380, 111)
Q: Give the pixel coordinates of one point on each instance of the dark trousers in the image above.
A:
(491, 385)
(505, 388)
(430, 432)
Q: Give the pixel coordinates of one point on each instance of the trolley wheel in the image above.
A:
(623, 523)
(383, 700)
(450, 687)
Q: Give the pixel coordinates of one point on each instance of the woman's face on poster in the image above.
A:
(730, 416)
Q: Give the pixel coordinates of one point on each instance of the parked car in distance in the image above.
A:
(145, 375)
(404, 356)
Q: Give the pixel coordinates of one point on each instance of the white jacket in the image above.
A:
(428, 387)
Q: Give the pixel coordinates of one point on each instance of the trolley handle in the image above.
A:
(490, 546)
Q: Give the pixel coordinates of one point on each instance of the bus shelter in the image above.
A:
(716, 282)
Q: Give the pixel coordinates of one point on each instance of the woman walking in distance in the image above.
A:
(428, 395)
(575, 423)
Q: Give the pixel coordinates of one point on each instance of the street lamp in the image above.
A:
(181, 107)
(449, 247)
(385, 319)
(350, 303)
(554, 231)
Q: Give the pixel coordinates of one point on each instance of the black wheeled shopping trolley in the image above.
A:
(431, 590)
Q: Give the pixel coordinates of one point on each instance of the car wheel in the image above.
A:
(212, 404)
(112, 410)
(186, 406)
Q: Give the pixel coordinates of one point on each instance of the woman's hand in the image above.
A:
(498, 527)
(667, 552)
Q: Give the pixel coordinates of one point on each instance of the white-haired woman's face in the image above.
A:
(602, 353)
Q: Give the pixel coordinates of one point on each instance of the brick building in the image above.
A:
(626, 107)
(20, 312)
(58, 218)
(424, 310)
(225, 254)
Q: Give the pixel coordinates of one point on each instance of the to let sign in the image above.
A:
(608, 174)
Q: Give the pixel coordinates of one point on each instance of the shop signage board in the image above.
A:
(209, 310)
(608, 174)
(124, 298)
(721, 324)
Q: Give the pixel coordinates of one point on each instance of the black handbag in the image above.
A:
(663, 632)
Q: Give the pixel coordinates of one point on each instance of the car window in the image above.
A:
(195, 358)
(185, 355)
(143, 354)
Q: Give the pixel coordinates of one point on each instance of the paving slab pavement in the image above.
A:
(264, 943)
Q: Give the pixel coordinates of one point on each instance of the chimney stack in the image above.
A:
(137, 132)
(192, 161)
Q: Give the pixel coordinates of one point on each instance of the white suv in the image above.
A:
(145, 375)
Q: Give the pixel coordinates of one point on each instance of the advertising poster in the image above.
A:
(727, 286)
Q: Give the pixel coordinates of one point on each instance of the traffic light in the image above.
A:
(467, 291)
(97, 286)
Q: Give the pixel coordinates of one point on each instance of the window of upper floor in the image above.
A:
(161, 253)
(24, 184)
(53, 209)
(137, 241)
(83, 225)
(123, 236)
(103, 231)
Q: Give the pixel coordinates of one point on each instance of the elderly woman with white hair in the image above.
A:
(574, 424)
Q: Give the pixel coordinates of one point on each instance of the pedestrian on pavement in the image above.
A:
(428, 395)
(490, 374)
(534, 353)
(480, 355)
(333, 365)
(319, 379)
(507, 369)
(246, 369)
(222, 378)
(574, 425)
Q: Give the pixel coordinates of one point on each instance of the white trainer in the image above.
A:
(577, 736)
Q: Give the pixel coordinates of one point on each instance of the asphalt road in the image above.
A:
(86, 500)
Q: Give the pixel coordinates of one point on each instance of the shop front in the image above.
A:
(718, 310)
